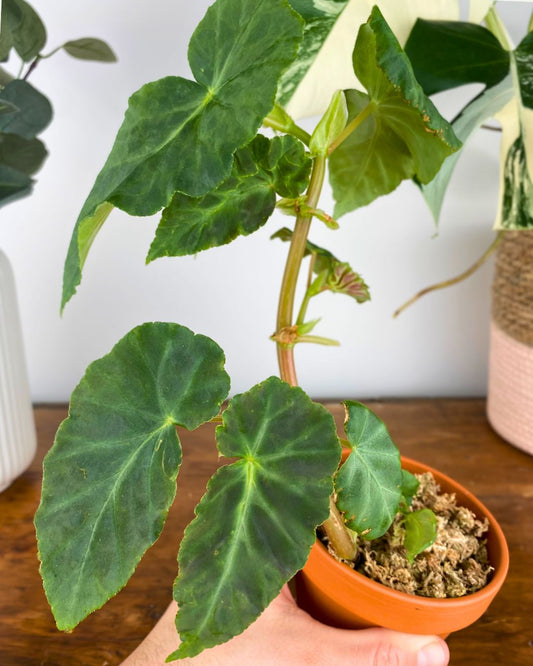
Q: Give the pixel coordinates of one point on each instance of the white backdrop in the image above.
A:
(438, 347)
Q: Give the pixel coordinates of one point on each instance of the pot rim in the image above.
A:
(500, 553)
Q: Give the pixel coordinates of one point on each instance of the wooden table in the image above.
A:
(452, 435)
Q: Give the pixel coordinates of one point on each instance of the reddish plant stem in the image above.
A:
(292, 270)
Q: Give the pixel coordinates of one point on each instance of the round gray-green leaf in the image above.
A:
(256, 524)
(369, 482)
(13, 184)
(26, 156)
(110, 477)
(90, 48)
(27, 31)
(33, 110)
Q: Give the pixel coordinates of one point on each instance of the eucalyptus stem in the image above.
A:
(455, 280)
(351, 127)
(292, 271)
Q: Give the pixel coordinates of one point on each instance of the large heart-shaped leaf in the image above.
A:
(446, 54)
(370, 481)
(110, 477)
(256, 524)
(239, 206)
(33, 110)
(21, 154)
(403, 134)
(180, 135)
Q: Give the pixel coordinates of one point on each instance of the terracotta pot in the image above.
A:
(339, 596)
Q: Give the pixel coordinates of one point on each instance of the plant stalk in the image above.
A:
(338, 535)
(292, 270)
(339, 538)
(351, 127)
(293, 129)
(455, 280)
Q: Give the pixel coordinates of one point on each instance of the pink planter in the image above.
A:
(510, 394)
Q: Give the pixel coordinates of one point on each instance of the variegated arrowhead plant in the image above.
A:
(24, 111)
(449, 54)
(195, 150)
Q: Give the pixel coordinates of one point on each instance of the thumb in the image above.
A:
(382, 647)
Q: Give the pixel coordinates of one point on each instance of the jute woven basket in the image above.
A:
(510, 391)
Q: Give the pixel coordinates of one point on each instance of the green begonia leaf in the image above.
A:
(403, 135)
(447, 54)
(420, 531)
(33, 113)
(22, 29)
(90, 48)
(180, 135)
(13, 184)
(21, 154)
(484, 107)
(110, 477)
(255, 526)
(369, 483)
(239, 206)
(332, 274)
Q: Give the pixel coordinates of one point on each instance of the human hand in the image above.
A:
(285, 635)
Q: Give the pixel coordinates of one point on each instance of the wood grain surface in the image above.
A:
(452, 435)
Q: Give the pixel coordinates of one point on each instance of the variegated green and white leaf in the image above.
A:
(309, 85)
(481, 109)
(515, 210)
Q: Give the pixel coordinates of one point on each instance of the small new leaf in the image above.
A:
(420, 532)
(369, 483)
(90, 48)
(410, 486)
(332, 274)
(330, 125)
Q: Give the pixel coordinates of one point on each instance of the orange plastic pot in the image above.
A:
(339, 596)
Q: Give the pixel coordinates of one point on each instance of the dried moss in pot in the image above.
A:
(456, 564)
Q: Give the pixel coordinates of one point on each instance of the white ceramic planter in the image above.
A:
(17, 429)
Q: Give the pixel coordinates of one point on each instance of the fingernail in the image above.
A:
(434, 654)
